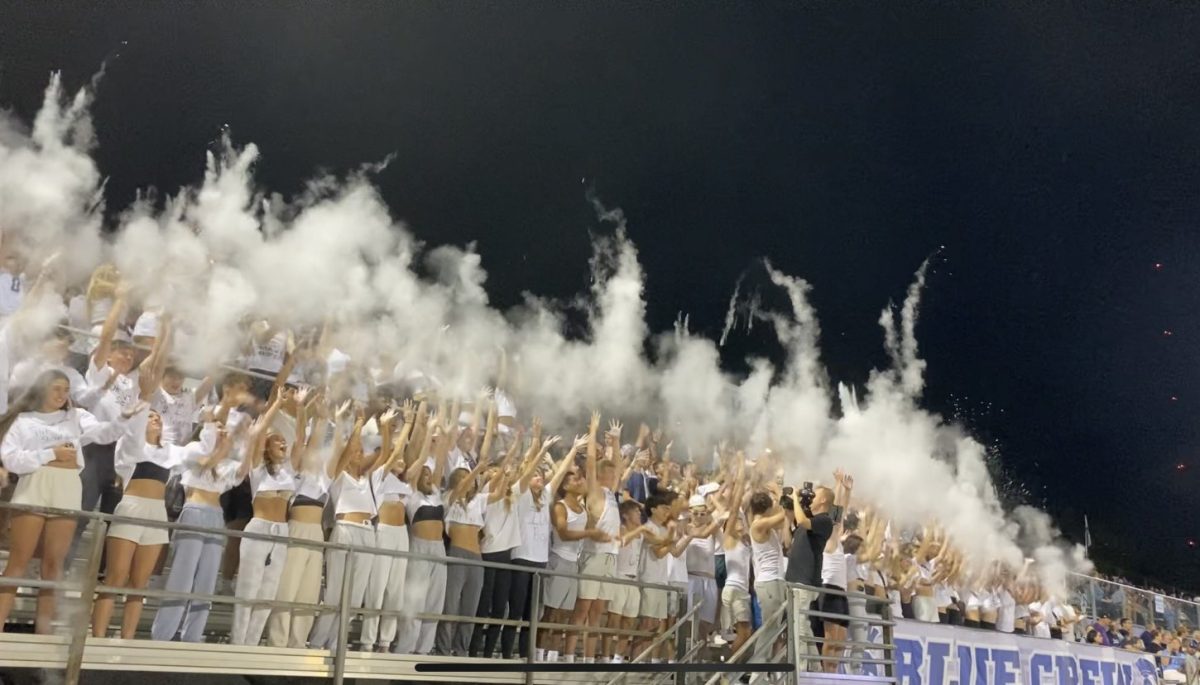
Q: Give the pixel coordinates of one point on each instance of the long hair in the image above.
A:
(33, 398)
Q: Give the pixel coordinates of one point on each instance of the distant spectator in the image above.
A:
(1173, 662)
(1101, 628)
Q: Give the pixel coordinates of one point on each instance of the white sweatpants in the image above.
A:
(259, 570)
(301, 583)
(360, 536)
(385, 589)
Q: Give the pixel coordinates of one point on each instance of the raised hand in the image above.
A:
(343, 410)
(594, 424)
(409, 411)
(550, 442)
(614, 428)
(135, 409)
(581, 441)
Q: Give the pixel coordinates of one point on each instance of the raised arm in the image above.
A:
(152, 368)
(353, 445)
(409, 412)
(386, 423)
(300, 444)
(489, 433)
(563, 466)
(108, 331)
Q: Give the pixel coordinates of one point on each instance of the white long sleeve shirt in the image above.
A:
(30, 442)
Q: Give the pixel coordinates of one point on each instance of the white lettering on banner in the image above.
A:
(933, 654)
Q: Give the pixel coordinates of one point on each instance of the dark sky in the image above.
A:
(1053, 150)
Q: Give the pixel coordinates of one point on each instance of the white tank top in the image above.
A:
(700, 556)
(737, 567)
(833, 568)
(353, 495)
(768, 558)
(609, 522)
(654, 568)
(576, 521)
(677, 569)
(535, 528)
(628, 558)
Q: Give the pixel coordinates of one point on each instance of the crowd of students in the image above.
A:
(310, 445)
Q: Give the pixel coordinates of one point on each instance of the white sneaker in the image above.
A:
(618, 659)
(719, 640)
(552, 656)
(539, 654)
(568, 658)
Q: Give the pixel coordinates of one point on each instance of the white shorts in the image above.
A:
(603, 565)
(735, 607)
(50, 486)
(626, 600)
(702, 589)
(559, 592)
(653, 603)
(140, 508)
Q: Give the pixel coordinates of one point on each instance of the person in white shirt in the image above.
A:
(261, 562)
(656, 549)
(502, 537)
(301, 578)
(598, 558)
(177, 406)
(623, 609)
(197, 556)
(533, 514)
(42, 444)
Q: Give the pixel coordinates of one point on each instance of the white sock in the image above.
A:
(539, 654)
(568, 658)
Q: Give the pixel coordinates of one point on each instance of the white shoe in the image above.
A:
(552, 656)
(568, 658)
(539, 654)
(719, 640)
(618, 659)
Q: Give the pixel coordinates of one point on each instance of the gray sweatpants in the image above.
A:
(338, 563)
(463, 584)
(424, 593)
(194, 569)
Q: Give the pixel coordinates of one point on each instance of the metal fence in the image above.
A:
(1101, 597)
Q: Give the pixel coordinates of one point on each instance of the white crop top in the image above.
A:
(468, 512)
(218, 479)
(283, 480)
(313, 484)
(352, 495)
(389, 488)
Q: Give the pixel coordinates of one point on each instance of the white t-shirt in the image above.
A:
(501, 526)
(179, 414)
(535, 528)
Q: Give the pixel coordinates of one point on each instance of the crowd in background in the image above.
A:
(309, 444)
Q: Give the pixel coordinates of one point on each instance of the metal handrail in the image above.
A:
(89, 586)
(663, 636)
(755, 637)
(374, 551)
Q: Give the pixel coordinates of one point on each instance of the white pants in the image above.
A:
(301, 583)
(359, 536)
(258, 575)
(385, 590)
(424, 593)
(858, 633)
(703, 589)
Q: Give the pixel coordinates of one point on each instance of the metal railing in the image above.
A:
(89, 588)
(1100, 597)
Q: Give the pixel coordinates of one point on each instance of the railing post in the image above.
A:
(1092, 594)
(535, 601)
(87, 595)
(889, 634)
(793, 637)
(339, 659)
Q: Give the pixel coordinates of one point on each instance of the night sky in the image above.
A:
(1054, 152)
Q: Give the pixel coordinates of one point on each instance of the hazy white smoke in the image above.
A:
(227, 250)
